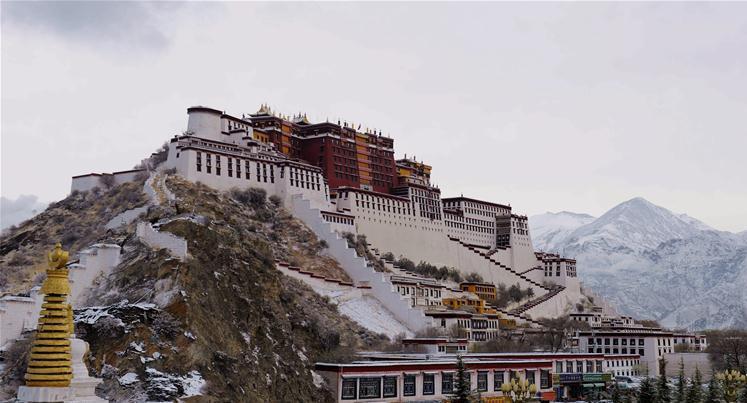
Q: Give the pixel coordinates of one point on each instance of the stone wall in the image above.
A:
(162, 240)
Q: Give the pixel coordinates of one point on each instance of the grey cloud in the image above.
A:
(125, 24)
(13, 212)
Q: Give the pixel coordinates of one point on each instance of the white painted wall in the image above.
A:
(87, 182)
(205, 123)
(162, 240)
(185, 162)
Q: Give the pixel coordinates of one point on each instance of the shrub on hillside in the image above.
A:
(428, 270)
(474, 277)
(252, 197)
(275, 200)
(166, 325)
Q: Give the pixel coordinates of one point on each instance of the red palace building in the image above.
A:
(347, 156)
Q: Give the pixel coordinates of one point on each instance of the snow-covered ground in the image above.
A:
(369, 313)
(352, 302)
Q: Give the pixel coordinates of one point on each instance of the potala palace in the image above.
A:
(350, 179)
(341, 180)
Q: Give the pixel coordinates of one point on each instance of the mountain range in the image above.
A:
(652, 263)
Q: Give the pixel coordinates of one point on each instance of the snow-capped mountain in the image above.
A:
(652, 263)
(635, 225)
(550, 228)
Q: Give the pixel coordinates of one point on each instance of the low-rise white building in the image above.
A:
(650, 344)
(422, 292)
(690, 341)
(428, 380)
(622, 364)
(435, 345)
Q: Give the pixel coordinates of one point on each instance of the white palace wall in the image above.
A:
(421, 239)
(83, 183)
(283, 179)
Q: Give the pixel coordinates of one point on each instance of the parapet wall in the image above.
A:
(83, 183)
(162, 240)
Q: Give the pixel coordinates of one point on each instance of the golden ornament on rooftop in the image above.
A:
(50, 362)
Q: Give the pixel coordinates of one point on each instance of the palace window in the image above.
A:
(349, 388)
(447, 383)
(369, 388)
(497, 380)
(199, 161)
(217, 165)
(408, 386)
(482, 381)
(558, 367)
(599, 367)
(390, 386)
(579, 366)
(544, 379)
(230, 167)
(429, 384)
(589, 366)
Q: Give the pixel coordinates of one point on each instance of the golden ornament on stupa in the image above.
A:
(50, 362)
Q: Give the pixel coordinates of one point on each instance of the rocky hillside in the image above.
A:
(655, 264)
(77, 221)
(224, 324)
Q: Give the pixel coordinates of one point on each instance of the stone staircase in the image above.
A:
(358, 268)
(499, 264)
(532, 269)
(537, 301)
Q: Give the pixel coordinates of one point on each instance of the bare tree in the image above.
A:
(728, 349)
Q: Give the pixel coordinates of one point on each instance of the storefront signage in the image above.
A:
(597, 377)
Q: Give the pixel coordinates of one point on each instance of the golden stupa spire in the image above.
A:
(50, 364)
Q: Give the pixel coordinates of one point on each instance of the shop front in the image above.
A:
(580, 386)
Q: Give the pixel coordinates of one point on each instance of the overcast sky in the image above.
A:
(548, 107)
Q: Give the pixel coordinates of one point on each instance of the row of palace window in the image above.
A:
(384, 207)
(264, 171)
(420, 291)
(234, 165)
(481, 209)
(473, 228)
(615, 341)
(473, 324)
(615, 350)
(303, 179)
(579, 368)
(377, 387)
(337, 219)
